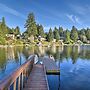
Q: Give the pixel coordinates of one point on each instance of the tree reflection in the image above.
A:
(3, 59)
(74, 54)
(59, 53)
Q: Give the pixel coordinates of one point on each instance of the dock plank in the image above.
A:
(51, 67)
(37, 79)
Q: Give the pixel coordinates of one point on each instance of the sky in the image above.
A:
(49, 13)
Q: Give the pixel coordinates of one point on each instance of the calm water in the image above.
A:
(12, 57)
(74, 63)
(75, 68)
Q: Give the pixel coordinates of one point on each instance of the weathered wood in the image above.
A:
(14, 85)
(50, 65)
(37, 79)
(19, 83)
(9, 80)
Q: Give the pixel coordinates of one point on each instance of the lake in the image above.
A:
(74, 63)
(75, 68)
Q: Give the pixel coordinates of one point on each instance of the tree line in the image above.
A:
(35, 29)
(4, 30)
(68, 36)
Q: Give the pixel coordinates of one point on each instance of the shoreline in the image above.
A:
(5, 46)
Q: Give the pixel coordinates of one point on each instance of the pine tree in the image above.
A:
(56, 34)
(17, 31)
(40, 30)
(67, 36)
(88, 33)
(50, 35)
(74, 34)
(3, 30)
(61, 31)
(30, 25)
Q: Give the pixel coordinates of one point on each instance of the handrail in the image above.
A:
(23, 71)
(46, 76)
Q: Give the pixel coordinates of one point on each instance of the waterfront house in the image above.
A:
(10, 36)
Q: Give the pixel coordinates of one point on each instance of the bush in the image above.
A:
(18, 42)
(2, 41)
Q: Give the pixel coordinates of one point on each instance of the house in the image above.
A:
(88, 41)
(78, 42)
(40, 38)
(10, 36)
(31, 38)
(18, 36)
(61, 42)
(54, 40)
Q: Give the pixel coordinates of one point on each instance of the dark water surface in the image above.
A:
(74, 63)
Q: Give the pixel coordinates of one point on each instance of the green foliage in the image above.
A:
(74, 34)
(67, 37)
(2, 41)
(3, 27)
(88, 33)
(56, 34)
(18, 42)
(9, 30)
(61, 31)
(40, 30)
(17, 31)
(31, 27)
(50, 35)
(82, 32)
(35, 30)
(46, 35)
(4, 30)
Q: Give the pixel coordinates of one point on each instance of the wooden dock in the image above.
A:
(37, 79)
(34, 75)
(51, 67)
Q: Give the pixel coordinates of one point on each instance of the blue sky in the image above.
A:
(49, 13)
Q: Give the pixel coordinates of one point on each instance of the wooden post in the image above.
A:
(14, 85)
(19, 73)
(19, 83)
(8, 88)
(22, 81)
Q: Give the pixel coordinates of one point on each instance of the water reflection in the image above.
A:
(10, 59)
(2, 59)
(75, 68)
(59, 53)
(70, 59)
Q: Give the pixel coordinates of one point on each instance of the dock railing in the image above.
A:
(17, 79)
(46, 77)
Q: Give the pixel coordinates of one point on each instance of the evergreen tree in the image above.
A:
(30, 25)
(67, 36)
(17, 31)
(82, 32)
(9, 30)
(61, 31)
(3, 30)
(50, 35)
(74, 34)
(46, 35)
(56, 34)
(82, 35)
(40, 31)
(88, 33)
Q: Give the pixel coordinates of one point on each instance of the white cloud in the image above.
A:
(77, 20)
(73, 18)
(70, 18)
(10, 10)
